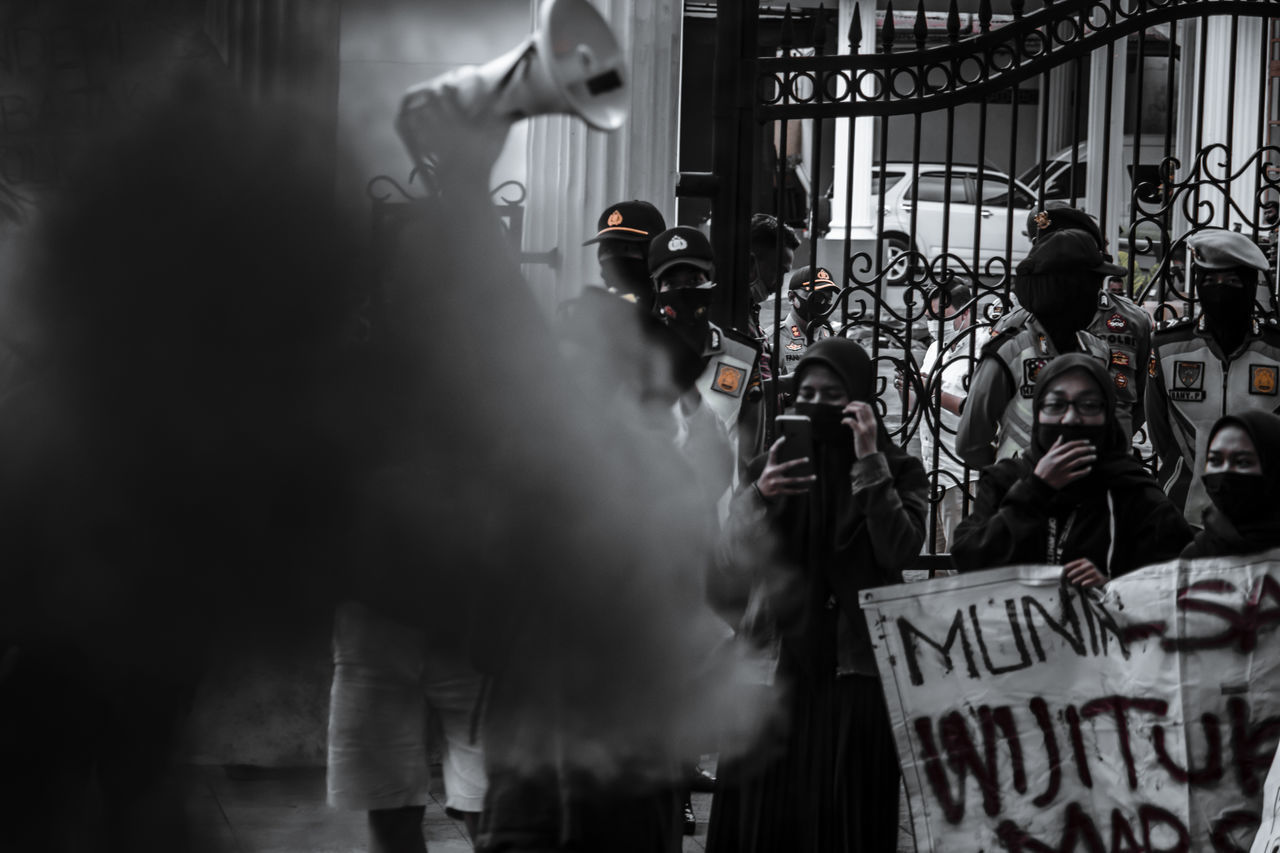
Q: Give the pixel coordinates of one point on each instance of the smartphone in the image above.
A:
(797, 434)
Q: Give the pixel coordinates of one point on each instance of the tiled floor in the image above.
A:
(249, 810)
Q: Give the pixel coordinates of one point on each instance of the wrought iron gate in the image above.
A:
(994, 115)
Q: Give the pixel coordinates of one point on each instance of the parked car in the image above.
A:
(1061, 181)
(996, 219)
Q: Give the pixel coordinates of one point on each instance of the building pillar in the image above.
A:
(1230, 115)
(575, 172)
(856, 220)
(1105, 140)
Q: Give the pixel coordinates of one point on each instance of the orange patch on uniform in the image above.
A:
(1122, 381)
(1120, 359)
(615, 219)
(1151, 366)
(1262, 378)
(729, 379)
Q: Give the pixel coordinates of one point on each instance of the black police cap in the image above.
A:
(633, 221)
(806, 279)
(681, 245)
(1068, 251)
(1057, 216)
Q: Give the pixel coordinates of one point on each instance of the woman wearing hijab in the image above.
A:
(1242, 477)
(1078, 498)
(830, 780)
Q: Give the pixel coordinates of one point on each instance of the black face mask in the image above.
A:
(808, 306)
(1226, 307)
(1047, 434)
(825, 420)
(1240, 497)
(629, 275)
(685, 306)
(1062, 306)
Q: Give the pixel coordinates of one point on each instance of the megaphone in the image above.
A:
(572, 63)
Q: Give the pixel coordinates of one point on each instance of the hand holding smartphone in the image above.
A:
(797, 434)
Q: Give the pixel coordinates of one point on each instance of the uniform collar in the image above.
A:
(715, 340)
(1202, 331)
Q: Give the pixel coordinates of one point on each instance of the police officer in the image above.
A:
(1120, 322)
(811, 295)
(1224, 362)
(608, 334)
(716, 368)
(1057, 286)
(623, 234)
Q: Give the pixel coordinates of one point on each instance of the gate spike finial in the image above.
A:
(855, 30)
(984, 16)
(887, 32)
(953, 22)
(820, 29)
(788, 32)
(922, 26)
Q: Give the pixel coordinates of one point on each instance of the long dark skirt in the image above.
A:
(828, 784)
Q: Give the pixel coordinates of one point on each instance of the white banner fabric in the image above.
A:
(1036, 717)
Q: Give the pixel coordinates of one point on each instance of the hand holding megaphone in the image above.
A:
(450, 126)
(571, 64)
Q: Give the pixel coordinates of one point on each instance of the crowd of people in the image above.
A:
(589, 550)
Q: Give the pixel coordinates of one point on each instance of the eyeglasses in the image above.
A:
(1086, 407)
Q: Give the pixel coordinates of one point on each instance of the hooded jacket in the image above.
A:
(1116, 516)
(1223, 535)
(859, 527)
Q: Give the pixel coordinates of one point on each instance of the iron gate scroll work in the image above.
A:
(956, 71)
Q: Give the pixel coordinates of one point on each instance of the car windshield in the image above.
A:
(995, 192)
(890, 178)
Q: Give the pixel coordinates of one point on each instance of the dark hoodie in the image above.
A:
(1116, 516)
(859, 527)
(1234, 531)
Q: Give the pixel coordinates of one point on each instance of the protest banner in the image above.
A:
(1031, 716)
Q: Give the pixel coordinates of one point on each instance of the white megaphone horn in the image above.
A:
(572, 63)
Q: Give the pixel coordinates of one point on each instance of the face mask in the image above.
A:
(1047, 434)
(1241, 497)
(1060, 304)
(809, 306)
(630, 275)
(686, 306)
(825, 421)
(1226, 306)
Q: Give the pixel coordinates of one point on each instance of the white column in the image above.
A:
(575, 172)
(1185, 146)
(1105, 141)
(1241, 110)
(861, 217)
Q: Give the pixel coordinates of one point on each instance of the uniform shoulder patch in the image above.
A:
(1188, 382)
(729, 379)
(1116, 323)
(1031, 368)
(1263, 379)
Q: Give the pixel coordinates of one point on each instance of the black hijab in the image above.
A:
(849, 361)
(1115, 467)
(1225, 534)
